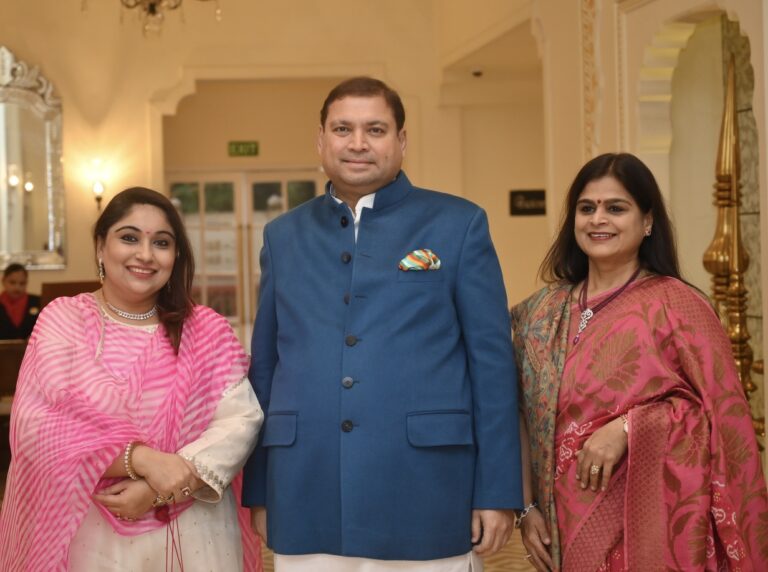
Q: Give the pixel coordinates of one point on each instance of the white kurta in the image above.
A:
(209, 530)
(326, 563)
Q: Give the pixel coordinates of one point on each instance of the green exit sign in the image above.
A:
(243, 148)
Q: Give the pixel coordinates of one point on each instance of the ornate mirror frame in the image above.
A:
(24, 85)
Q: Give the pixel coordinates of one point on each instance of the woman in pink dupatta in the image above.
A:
(132, 416)
(640, 449)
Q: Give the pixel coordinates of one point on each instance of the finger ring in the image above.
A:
(594, 469)
(159, 501)
(186, 491)
(169, 498)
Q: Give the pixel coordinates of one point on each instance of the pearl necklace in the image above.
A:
(130, 315)
(587, 313)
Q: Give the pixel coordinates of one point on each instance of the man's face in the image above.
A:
(360, 147)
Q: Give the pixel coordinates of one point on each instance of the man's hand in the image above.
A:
(493, 529)
(259, 521)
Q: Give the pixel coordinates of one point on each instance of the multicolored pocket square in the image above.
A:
(421, 259)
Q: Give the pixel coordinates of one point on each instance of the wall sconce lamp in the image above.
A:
(96, 177)
(29, 186)
(13, 176)
(98, 190)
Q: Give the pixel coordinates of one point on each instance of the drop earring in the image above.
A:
(101, 271)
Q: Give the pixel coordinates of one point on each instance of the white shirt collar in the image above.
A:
(365, 202)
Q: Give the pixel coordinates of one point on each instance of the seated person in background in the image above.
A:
(18, 310)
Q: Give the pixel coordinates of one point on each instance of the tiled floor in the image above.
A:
(511, 559)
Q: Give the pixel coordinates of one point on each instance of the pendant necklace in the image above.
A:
(130, 315)
(588, 313)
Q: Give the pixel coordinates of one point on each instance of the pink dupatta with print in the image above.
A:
(690, 493)
(71, 418)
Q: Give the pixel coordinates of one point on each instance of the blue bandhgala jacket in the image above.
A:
(390, 396)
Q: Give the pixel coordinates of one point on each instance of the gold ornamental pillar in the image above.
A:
(725, 258)
(727, 171)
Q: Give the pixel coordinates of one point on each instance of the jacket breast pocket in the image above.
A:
(420, 275)
(280, 429)
(439, 428)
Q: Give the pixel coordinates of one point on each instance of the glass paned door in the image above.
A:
(271, 195)
(225, 215)
(208, 206)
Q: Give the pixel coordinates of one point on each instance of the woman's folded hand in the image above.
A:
(127, 499)
(170, 475)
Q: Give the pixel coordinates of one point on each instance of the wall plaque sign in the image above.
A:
(527, 203)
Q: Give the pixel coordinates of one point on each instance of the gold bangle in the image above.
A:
(127, 457)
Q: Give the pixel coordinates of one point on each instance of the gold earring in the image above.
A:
(101, 271)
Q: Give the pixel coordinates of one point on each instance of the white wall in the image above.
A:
(463, 26)
(504, 150)
(697, 110)
(282, 115)
(116, 85)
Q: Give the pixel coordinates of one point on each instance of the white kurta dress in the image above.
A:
(209, 530)
(327, 563)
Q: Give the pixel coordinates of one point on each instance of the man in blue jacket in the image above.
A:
(382, 356)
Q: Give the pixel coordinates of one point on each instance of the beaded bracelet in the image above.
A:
(524, 513)
(127, 460)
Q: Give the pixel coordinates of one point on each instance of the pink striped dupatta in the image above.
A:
(71, 418)
(690, 493)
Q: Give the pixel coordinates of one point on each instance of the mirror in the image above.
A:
(31, 177)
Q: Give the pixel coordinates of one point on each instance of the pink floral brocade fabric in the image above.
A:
(689, 493)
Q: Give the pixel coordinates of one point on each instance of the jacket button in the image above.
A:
(346, 298)
(347, 426)
(344, 221)
(350, 340)
(346, 257)
(347, 382)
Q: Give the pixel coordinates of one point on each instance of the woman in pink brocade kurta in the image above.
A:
(679, 486)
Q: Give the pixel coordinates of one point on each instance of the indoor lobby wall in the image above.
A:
(112, 79)
(696, 114)
(462, 26)
(282, 115)
(504, 150)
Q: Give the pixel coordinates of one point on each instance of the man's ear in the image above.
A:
(320, 133)
(403, 138)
